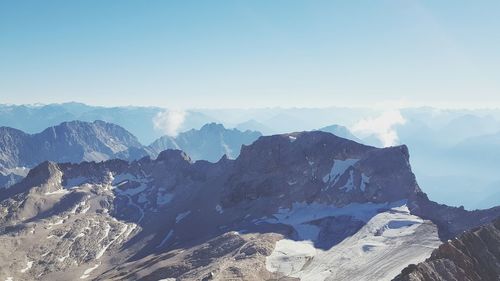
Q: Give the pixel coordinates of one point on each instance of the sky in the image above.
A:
(259, 53)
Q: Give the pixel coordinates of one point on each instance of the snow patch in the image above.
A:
(61, 221)
(61, 259)
(167, 237)
(289, 256)
(219, 209)
(349, 185)
(87, 272)
(300, 214)
(181, 216)
(59, 191)
(365, 180)
(378, 251)
(338, 169)
(29, 264)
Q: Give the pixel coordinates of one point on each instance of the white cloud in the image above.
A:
(169, 122)
(382, 126)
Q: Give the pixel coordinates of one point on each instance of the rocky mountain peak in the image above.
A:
(210, 142)
(320, 167)
(212, 127)
(173, 156)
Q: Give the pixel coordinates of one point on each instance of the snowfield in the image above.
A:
(386, 244)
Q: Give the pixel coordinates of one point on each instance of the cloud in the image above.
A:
(169, 122)
(382, 126)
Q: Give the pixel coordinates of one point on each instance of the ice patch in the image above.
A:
(349, 185)
(122, 231)
(61, 221)
(132, 191)
(181, 216)
(364, 181)
(129, 230)
(292, 138)
(29, 264)
(289, 257)
(122, 178)
(61, 259)
(59, 191)
(81, 204)
(85, 210)
(300, 214)
(378, 251)
(167, 237)
(87, 272)
(338, 169)
(219, 210)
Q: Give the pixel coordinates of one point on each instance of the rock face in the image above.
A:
(209, 143)
(309, 206)
(474, 255)
(74, 141)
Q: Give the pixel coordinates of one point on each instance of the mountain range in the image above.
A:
(73, 141)
(78, 141)
(442, 140)
(309, 206)
(210, 142)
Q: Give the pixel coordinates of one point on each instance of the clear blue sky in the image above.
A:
(249, 53)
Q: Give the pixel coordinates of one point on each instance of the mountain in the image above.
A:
(210, 142)
(73, 141)
(253, 125)
(340, 131)
(137, 120)
(305, 205)
(474, 255)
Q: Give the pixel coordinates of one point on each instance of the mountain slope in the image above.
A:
(210, 142)
(474, 255)
(283, 210)
(74, 141)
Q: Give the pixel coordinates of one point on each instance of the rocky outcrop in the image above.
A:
(473, 255)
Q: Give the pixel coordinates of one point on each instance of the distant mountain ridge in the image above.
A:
(341, 131)
(78, 141)
(210, 142)
(73, 141)
(138, 120)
